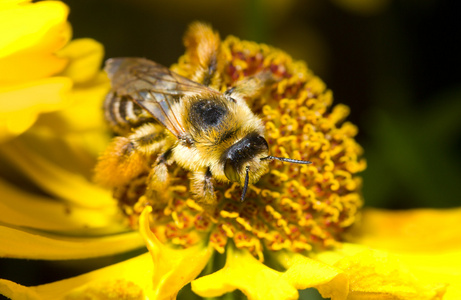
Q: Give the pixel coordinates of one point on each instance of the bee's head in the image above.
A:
(245, 156)
(247, 160)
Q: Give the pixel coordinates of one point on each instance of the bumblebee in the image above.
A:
(158, 113)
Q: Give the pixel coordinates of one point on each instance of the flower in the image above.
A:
(27, 63)
(288, 235)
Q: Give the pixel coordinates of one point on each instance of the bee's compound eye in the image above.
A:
(230, 171)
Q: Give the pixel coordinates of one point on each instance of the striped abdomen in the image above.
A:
(123, 114)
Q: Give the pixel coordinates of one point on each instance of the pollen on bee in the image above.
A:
(119, 163)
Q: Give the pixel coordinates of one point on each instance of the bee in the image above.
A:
(158, 113)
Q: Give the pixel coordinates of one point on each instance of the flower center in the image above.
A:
(295, 207)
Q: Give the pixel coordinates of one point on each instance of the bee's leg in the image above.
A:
(149, 138)
(202, 187)
(159, 174)
(120, 163)
(204, 47)
(251, 87)
(126, 158)
(158, 177)
(157, 181)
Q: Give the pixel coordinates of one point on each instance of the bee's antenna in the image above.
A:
(295, 161)
(245, 185)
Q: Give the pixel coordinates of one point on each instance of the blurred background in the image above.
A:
(396, 63)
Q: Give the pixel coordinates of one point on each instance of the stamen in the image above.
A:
(295, 161)
(245, 186)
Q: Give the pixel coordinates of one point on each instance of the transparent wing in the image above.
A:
(153, 87)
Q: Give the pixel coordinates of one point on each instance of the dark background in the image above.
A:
(396, 63)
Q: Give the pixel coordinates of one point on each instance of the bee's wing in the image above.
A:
(153, 87)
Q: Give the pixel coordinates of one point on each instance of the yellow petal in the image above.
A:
(38, 26)
(23, 67)
(13, 290)
(303, 272)
(52, 178)
(4, 4)
(32, 245)
(131, 279)
(86, 113)
(29, 36)
(419, 230)
(244, 272)
(42, 95)
(428, 241)
(443, 267)
(21, 104)
(80, 126)
(72, 150)
(378, 275)
(85, 56)
(21, 208)
(173, 268)
(395, 276)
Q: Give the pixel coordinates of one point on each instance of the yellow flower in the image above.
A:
(287, 236)
(30, 36)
